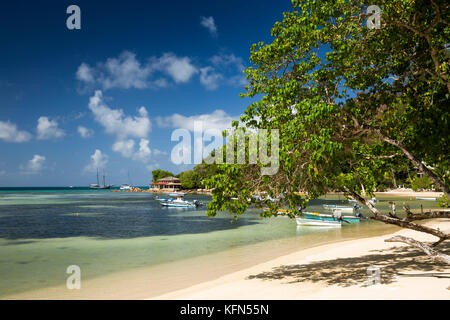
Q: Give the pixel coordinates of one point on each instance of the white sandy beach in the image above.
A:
(337, 271)
(411, 193)
(332, 271)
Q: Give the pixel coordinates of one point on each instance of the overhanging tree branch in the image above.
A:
(433, 254)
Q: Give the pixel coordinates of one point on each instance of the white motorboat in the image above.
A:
(179, 202)
(126, 186)
(423, 198)
(343, 209)
(318, 222)
(176, 194)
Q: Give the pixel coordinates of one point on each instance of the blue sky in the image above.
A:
(111, 94)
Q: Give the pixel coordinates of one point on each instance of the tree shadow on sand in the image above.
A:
(346, 272)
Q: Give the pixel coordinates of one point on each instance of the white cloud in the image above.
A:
(232, 66)
(85, 73)
(48, 129)
(127, 150)
(180, 69)
(98, 160)
(123, 72)
(123, 127)
(10, 133)
(144, 152)
(217, 120)
(209, 78)
(226, 60)
(34, 165)
(126, 71)
(124, 147)
(157, 152)
(208, 23)
(116, 123)
(85, 132)
(225, 69)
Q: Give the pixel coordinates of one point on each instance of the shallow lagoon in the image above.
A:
(42, 233)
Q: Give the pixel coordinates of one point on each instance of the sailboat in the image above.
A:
(98, 186)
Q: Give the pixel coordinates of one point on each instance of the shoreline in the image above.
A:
(336, 271)
(153, 281)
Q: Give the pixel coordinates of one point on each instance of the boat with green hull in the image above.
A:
(329, 217)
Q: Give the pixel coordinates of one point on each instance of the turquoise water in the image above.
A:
(42, 232)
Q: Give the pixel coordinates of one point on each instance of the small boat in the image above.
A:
(430, 199)
(126, 186)
(176, 194)
(317, 223)
(330, 217)
(372, 201)
(319, 216)
(179, 203)
(342, 208)
(316, 219)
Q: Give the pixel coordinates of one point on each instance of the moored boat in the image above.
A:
(319, 216)
(176, 194)
(317, 222)
(126, 186)
(329, 217)
(179, 202)
(342, 208)
(98, 186)
(423, 198)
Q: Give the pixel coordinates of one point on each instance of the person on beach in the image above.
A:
(358, 213)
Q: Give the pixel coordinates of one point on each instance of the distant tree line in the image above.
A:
(190, 179)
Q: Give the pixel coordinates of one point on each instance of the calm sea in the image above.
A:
(44, 230)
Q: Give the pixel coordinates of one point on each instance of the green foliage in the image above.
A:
(189, 179)
(421, 183)
(351, 104)
(158, 174)
(444, 202)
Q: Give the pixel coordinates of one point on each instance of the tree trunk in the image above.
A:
(433, 254)
(404, 223)
(423, 168)
(394, 181)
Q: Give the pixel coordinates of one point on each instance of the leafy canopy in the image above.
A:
(350, 103)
